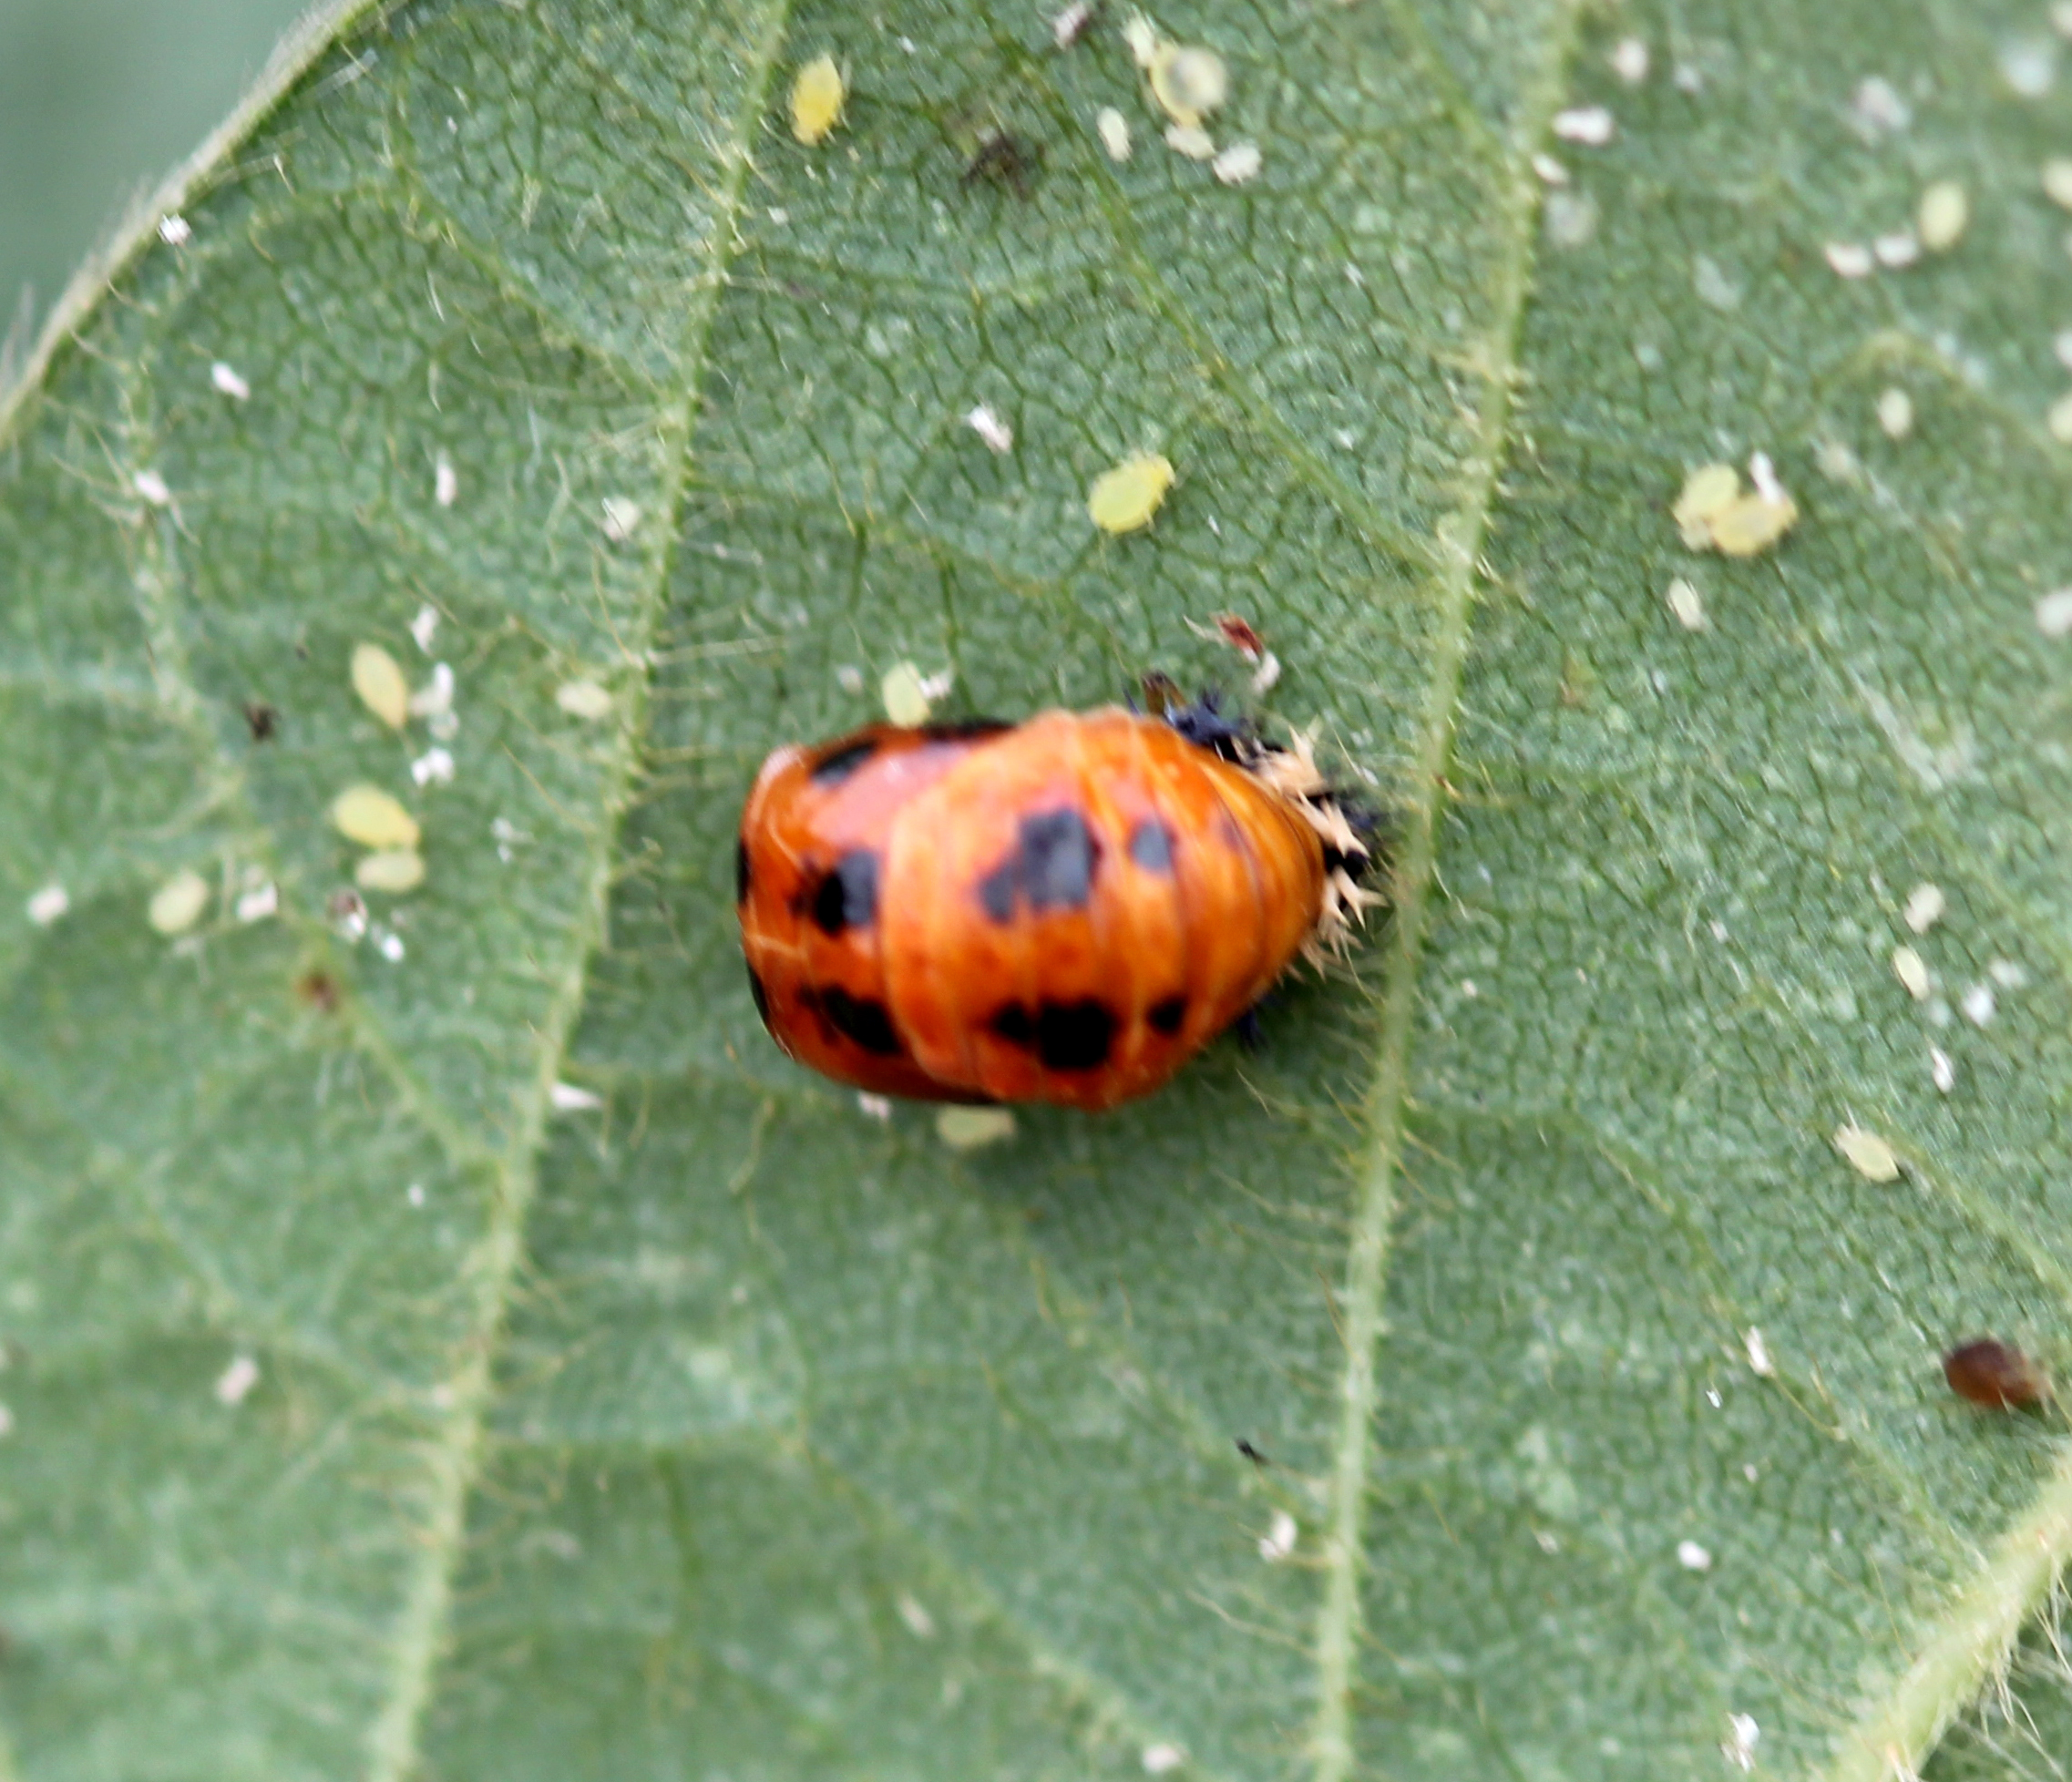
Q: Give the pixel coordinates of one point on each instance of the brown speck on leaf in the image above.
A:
(319, 990)
(1986, 1371)
(261, 720)
(1003, 158)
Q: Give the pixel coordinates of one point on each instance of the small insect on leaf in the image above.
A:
(1003, 158)
(372, 817)
(319, 990)
(1125, 499)
(1986, 1371)
(261, 720)
(817, 95)
(380, 684)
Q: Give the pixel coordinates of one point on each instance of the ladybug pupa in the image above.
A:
(1063, 910)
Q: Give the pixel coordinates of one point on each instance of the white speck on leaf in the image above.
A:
(256, 904)
(1068, 27)
(175, 231)
(152, 488)
(2054, 613)
(1897, 250)
(1895, 413)
(227, 380)
(1715, 287)
(446, 484)
(1629, 60)
(1551, 172)
(434, 767)
(1739, 1748)
(1851, 260)
(1191, 140)
(1159, 1758)
(423, 628)
(874, 1107)
(177, 905)
(849, 677)
(435, 698)
(995, 433)
(380, 684)
(966, 1129)
(584, 700)
(1591, 125)
(45, 906)
(234, 1384)
(1878, 108)
(1913, 974)
(1278, 1541)
(1941, 1069)
(2029, 66)
(2009, 974)
(1979, 1005)
(390, 947)
(1114, 131)
(1570, 218)
(1237, 163)
(1692, 1557)
(920, 1623)
(1868, 1153)
(1924, 908)
(572, 1098)
(621, 517)
(1757, 1350)
(1141, 36)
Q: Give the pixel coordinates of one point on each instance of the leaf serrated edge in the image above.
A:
(1459, 541)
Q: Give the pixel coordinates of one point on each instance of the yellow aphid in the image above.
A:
(1752, 524)
(394, 869)
(1125, 497)
(583, 698)
(1944, 211)
(906, 699)
(1188, 82)
(380, 684)
(1869, 1155)
(1707, 492)
(368, 816)
(177, 905)
(817, 100)
(966, 1129)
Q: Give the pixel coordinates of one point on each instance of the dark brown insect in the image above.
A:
(319, 990)
(1003, 158)
(1986, 1371)
(1240, 636)
(1251, 1453)
(261, 720)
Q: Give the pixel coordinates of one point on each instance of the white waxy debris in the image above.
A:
(905, 698)
(1114, 131)
(415, 1194)
(1692, 1557)
(435, 698)
(572, 1098)
(425, 627)
(256, 904)
(1278, 1541)
(2029, 66)
(1070, 26)
(175, 231)
(1551, 172)
(45, 906)
(348, 911)
(920, 1623)
(936, 686)
(1895, 413)
(849, 677)
(1191, 140)
(225, 378)
(1945, 210)
(391, 870)
(2059, 419)
(1546, 1540)
(1591, 125)
(434, 768)
(1125, 499)
(817, 94)
(446, 483)
(2061, 347)
(1688, 604)
(1141, 36)
(1913, 974)
(1740, 1747)
(152, 488)
(1924, 906)
(1897, 250)
(1763, 475)
(234, 1384)
(1979, 1005)
(993, 431)
(1629, 60)
(370, 816)
(1879, 108)
(177, 905)
(2009, 974)
(1159, 1758)
(1757, 1350)
(390, 947)
(2054, 613)
(1237, 163)
(1267, 674)
(1941, 1069)
(621, 517)
(2056, 175)
(966, 1129)
(1188, 82)
(1851, 260)
(874, 1107)
(1869, 1154)
(583, 698)
(380, 684)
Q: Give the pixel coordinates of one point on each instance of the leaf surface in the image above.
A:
(465, 1348)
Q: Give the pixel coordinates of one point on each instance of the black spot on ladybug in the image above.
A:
(1065, 1036)
(859, 1019)
(1151, 845)
(842, 761)
(964, 730)
(996, 890)
(1166, 1015)
(740, 872)
(761, 995)
(1058, 857)
(846, 898)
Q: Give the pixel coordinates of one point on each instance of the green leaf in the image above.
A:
(375, 1407)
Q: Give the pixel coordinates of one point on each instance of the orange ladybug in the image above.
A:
(1065, 910)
